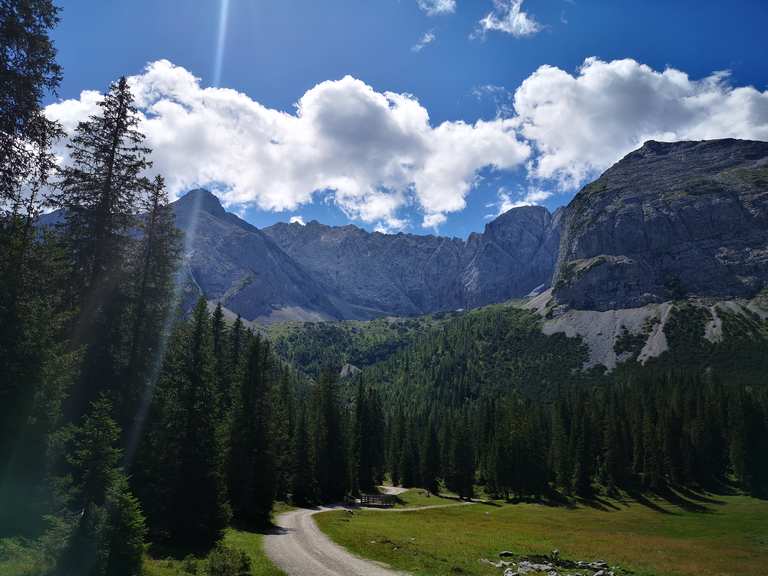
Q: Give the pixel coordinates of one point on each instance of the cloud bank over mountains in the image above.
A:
(375, 152)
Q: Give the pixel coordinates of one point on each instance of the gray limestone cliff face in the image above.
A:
(405, 274)
(228, 260)
(514, 255)
(668, 221)
(374, 273)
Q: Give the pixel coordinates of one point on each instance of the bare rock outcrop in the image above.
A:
(668, 221)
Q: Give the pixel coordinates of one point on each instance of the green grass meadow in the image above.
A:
(21, 557)
(248, 542)
(703, 535)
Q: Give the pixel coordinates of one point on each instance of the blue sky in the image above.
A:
(275, 51)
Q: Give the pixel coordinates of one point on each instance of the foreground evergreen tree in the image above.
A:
(37, 368)
(125, 531)
(28, 70)
(282, 424)
(199, 490)
(303, 485)
(109, 531)
(252, 476)
(35, 364)
(100, 192)
(329, 443)
(367, 440)
(152, 299)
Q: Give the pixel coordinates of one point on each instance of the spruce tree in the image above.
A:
(124, 531)
(430, 460)
(362, 479)
(100, 191)
(462, 477)
(281, 430)
(303, 487)
(329, 442)
(29, 72)
(582, 454)
(219, 331)
(200, 506)
(109, 535)
(376, 436)
(155, 269)
(252, 476)
(34, 362)
(409, 460)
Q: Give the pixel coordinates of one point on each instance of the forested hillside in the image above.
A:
(312, 346)
(516, 410)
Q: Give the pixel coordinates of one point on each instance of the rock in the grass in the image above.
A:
(511, 572)
(525, 566)
(506, 554)
(599, 573)
(499, 564)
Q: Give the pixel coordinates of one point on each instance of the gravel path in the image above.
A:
(299, 548)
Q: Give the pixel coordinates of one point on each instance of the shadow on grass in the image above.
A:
(166, 550)
(598, 503)
(684, 499)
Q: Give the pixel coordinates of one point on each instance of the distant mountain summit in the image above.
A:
(232, 262)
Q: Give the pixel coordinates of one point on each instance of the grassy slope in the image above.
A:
(22, 558)
(248, 542)
(655, 538)
(416, 498)
(19, 558)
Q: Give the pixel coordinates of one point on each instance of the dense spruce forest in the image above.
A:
(125, 421)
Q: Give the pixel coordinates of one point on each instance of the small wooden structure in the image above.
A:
(377, 500)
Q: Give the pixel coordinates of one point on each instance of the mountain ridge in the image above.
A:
(668, 221)
(351, 273)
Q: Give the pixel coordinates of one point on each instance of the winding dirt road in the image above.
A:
(299, 548)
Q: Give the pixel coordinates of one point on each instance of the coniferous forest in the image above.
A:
(125, 419)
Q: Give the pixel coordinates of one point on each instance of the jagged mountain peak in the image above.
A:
(203, 200)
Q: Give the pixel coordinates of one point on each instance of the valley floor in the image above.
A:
(701, 535)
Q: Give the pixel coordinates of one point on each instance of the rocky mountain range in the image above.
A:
(315, 272)
(668, 221)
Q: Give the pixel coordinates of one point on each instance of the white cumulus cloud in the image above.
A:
(434, 7)
(424, 41)
(580, 124)
(508, 16)
(297, 220)
(529, 196)
(373, 152)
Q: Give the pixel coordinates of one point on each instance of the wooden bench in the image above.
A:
(377, 500)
